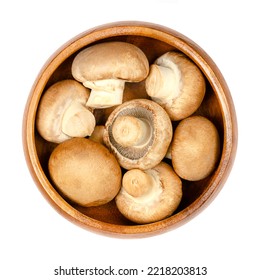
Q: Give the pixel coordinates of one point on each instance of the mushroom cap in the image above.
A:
(148, 155)
(54, 103)
(195, 148)
(158, 203)
(85, 172)
(189, 83)
(110, 60)
(97, 134)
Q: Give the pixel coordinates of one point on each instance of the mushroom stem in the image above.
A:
(78, 121)
(129, 131)
(104, 99)
(163, 83)
(105, 93)
(137, 182)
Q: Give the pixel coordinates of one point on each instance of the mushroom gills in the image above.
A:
(105, 93)
(135, 152)
(77, 121)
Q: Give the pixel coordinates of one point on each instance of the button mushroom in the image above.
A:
(62, 112)
(151, 195)
(177, 84)
(195, 148)
(138, 132)
(85, 172)
(105, 67)
(97, 134)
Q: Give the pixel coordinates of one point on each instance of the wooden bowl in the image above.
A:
(154, 40)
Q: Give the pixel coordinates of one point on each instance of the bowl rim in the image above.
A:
(215, 78)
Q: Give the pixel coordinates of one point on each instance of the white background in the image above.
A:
(35, 239)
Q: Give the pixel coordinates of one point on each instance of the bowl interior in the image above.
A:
(210, 108)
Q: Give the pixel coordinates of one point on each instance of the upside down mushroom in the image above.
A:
(105, 67)
(138, 133)
(151, 195)
(177, 84)
(63, 114)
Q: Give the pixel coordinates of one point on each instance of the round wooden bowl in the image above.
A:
(217, 106)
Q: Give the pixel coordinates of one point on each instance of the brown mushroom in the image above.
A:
(177, 84)
(195, 148)
(62, 112)
(151, 195)
(105, 67)
(85, 172)
(138, 132)
(97, 134)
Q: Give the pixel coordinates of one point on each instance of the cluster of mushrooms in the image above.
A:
(123, 158)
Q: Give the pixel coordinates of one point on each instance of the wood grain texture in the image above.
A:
(217, 105)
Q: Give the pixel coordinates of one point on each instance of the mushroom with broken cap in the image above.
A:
(105, 67)
(85, 172)
(138, 132)
(151, 195)
(177, 84)
(195, 148)
(63, 114)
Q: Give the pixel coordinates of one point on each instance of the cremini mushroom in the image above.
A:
(169, 152)
(105, 67)
(62, 112)
(85, 172)
(97, 134)
(177, 84)
(195, 148)
(151, 195)
(138, 132)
